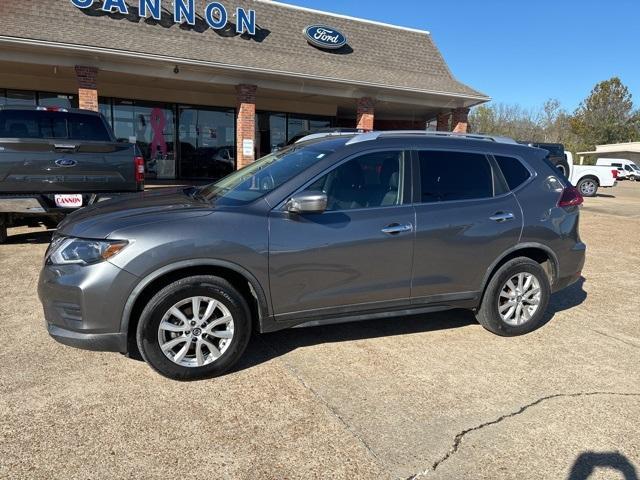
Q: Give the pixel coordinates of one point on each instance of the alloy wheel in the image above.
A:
(519, 299)
(196, 331)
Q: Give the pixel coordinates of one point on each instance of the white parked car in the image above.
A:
(589, 178)
(628, 169)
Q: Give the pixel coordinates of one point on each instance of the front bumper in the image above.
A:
(103, 342)
(83, 305)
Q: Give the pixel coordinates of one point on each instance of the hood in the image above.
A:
(101, 219)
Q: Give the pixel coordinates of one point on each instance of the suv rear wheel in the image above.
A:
(516, 298)
(194, 328)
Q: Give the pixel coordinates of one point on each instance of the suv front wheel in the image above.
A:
(194, 328)
(516, 298)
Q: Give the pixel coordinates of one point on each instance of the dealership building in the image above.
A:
(204, 87)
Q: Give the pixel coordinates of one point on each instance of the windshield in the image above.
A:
(635, 167)
(263, 176)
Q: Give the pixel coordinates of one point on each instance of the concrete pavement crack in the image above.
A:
(330, 408)
(613, 337)
(457, 441)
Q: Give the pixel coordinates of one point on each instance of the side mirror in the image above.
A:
(307, 202)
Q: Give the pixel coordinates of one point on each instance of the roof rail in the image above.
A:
(365, 137)
(314, 136)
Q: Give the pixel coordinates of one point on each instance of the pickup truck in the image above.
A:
(55, 160)
(586, 178)
(589, 178)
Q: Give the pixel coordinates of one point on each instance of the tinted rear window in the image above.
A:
(447, 176)
(52, 125)
(514, 172)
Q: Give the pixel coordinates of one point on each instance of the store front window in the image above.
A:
(151, 126)
(297, 124)
(207, 142)
(31, 98)
(271, 132)
(276, 130)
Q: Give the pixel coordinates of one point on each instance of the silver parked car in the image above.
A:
(351, 227)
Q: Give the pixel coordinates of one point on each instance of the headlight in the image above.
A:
(84, 252)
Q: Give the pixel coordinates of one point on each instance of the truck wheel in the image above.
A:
(516, 298)
(588, 187)
(3, 229)
(194, 328)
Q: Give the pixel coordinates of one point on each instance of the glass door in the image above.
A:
(271, 132)
(207, 142)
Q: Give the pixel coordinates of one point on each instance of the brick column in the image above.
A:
(443, 121)
(246, 123)
(87, 87)
(366, 113)
(460, 121)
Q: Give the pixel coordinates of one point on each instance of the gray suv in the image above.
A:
(340, 228)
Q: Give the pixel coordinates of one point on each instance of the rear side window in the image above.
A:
(514, 172)
(447, 176)
(52, 125)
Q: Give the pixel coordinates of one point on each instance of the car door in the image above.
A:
(356, 255)
(465, 220)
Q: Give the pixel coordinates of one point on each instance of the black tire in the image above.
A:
(209, 286)
(488, 315)
(587, 192)
(3, 229)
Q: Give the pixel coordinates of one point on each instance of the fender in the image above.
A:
(263, 304)
(521, 246)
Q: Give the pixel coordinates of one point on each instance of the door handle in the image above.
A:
(396, 228)
(502, 217)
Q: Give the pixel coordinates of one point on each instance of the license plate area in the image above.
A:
(73, 200)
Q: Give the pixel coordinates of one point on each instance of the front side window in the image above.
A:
(514, 172)
(448, 176)
(369, 181)
(263, 176)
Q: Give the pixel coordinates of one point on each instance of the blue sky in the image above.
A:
(520, 51)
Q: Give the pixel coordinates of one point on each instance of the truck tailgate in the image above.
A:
(47, 166)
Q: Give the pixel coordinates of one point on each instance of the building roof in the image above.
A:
(376, 55)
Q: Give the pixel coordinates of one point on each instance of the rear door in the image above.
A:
(464, 222)
(58, 151)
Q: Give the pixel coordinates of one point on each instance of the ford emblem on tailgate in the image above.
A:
(66, 162)
(325, 37)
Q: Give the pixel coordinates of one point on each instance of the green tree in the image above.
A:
(606, 116)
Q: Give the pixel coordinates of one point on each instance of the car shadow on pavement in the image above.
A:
(33, 237)
(565, 299)
(266, 347)
(588, 462)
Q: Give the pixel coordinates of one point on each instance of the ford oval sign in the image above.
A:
(66, 162)
(325, 37)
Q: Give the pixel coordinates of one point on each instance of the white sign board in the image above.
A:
(247, 148)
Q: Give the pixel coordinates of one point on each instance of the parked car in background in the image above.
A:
(333, 229)
(629, 169)
(54, 161)
(588, 179)
(556, 155)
